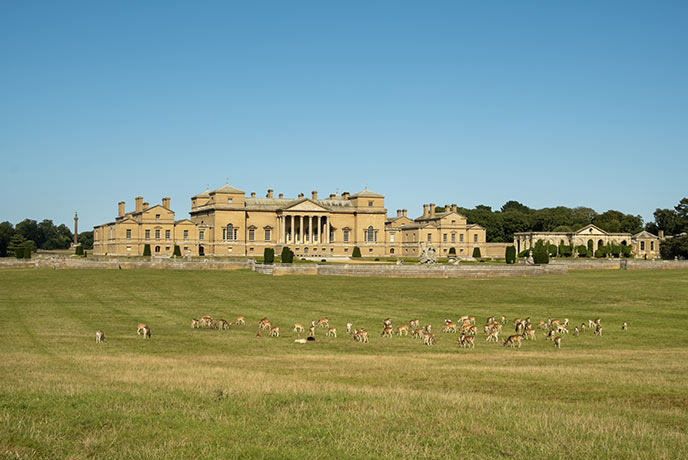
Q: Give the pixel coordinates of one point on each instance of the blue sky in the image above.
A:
(548, 103)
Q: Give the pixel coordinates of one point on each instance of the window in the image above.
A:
(201, 235)
(346, 236)
(128, 248)
(429, 237)
(128, 233)
(251, 235)
(167, 234)
(267, 235)
(453, 238)
(229, 201)
(148, 234)
(453, 222)
(652, 245)
(157, 234)
(461, 238)
(391, 251)
(370, 250)
(186, 235)
(444, 238)
(305, 250)
(157, 217)
(157, 249)
(167, 248)
(229, 232)
(371, 234)
(475, 238)
(642, 245)
(250, 249)
(370, 204)
(186, 249)
(391, 237)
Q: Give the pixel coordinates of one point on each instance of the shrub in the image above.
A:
(627, 251)
(540, 253)
(615, 250)
(79, 251)
(476, 253)
(27, 252)
(146, 250)
(85, 254)
(510, 256)
(524, 253)
(177, 252)
(565, 250)
(591, 249)
(268, 256)
(357, 252)
(287, 255)
(19, 253)
(452, 251)
(582, 251)
(552, 250)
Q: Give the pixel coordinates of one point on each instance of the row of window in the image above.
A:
(168, 234)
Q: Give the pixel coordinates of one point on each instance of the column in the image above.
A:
(300, 229)
(310, 229)
(283, 224)
(327, 230)
(320, 238)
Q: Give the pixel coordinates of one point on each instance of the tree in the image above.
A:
(540, 253)
(6, 233)
(86, 239)
(29, 230)
(146, 250)
(516, 207)
(452, 251)
(510, 255)
(176, 252)
(16, 242)
(476, 252)
(582, 251)
(268, 256)
(357, 252)
(674, 247)
(27, 252)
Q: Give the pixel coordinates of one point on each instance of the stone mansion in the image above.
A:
(227, 222)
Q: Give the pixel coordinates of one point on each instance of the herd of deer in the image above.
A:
(465, 328)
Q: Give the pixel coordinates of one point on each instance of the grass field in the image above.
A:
(206, 394)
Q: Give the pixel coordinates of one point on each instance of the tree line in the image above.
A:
(674, 224)
(39, 235)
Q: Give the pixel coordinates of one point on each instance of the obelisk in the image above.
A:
(76, 228)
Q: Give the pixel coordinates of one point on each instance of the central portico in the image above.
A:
(305, 222)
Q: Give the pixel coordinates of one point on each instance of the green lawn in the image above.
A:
(197, 394)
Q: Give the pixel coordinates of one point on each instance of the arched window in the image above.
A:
(391, 251)
(230, 232)
(371, 234)
(157, 249)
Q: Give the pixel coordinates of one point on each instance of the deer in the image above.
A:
(205, 320)
(298, 328)
(472, 320)
(428, 328)
(311, 330)
(429, 339)
(146, 332)
(348, 327)
(323, 322)
(402, 330)
(240, 320)
(492, 336)
(576, 331)
(266, 326)
(414, 323)
(301, 341)
(557, 343)
(100, 337)
(624, 326)
(582, 328)
(263, 323)
(387, 322)
(449, 327)
(598, 330)
(417, 333)
(550, 334)
(212, 324)
(529, 334)
(274, 331)
(140, 327)
(331, 332)
(467, 341)
(361, 335)
(513, 341)
(461, 319)
(387, 332)
(195, 323)
(562, 329)
(224, 325)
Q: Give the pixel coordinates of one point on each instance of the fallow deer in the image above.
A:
(139, 328)
(387, 332)
(557, 342)
(348, 327)
(100, 337)
(467, 341)
(492, 336)
(274, 331)
(598, 330)
(240, 320)
(331, 332)
(414, 323)
(223, 325)
(323, 322)
(513, 341)
(576, 331)
(624, 326)
(146, 332)
(429, 339)
(449, 327)
(195, 323)
(402, 330)
(299, 328)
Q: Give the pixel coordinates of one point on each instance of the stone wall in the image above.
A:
(77, 263)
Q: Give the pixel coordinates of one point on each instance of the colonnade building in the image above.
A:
(227, 222)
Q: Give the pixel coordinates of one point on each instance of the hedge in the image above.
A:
(540, 253)
(476, 253)
(287, 255)
(510, 255)
(268, 256)
(357, 252)
(146, 250)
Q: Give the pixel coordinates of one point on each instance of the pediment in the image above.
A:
(591, 230)
(306, 205)
(128, 220)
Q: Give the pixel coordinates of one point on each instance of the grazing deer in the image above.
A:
(503, 319)
(417, 333)
(146, 332)
(205, 320)
(266, 326)
(576, 331)
(491, 319)
(311, 330)
(598, 330)
(566, 322)
(212, 324)
(562, 329)
(139, 328)
(195, 323)
(598, 321)
(492, 336)
(402, 330)
(471, 319)
(529, 334)
(513, 341)
(361, 335)
(331, 332)
(467, 341)
(387, 332)
(323, 322)
(541, 324)
(429, 339)
(550, 334)
(428, 328)
(591, 323)
(624, 326)
(224, 325)
(557, 342)
(582, 327)
(298, 328)
(274, 331)
(414, 323)
(240, 320)
(387, 322)
(100, 337)
(264, 323)
(461, 319)
(348, 327)
(449, 327)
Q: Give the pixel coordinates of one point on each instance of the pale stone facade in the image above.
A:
(226, 222)
(644, 244)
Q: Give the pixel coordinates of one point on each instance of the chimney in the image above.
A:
(146, 204)
(432, 209)
(399, 213)
(300, 195)
(425, 210)
(281, 195)
(660, 234)
(332, 196)
(253, 194)
(139, 203)
(345, 195)
(447, 208)
(403, 212)
(269, 195)
(455, 208)
(120, 208)
(314, 195)
(166, 202)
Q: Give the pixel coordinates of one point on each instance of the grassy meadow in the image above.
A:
(207, 394)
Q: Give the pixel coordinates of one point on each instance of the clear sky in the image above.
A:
(575, 103)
